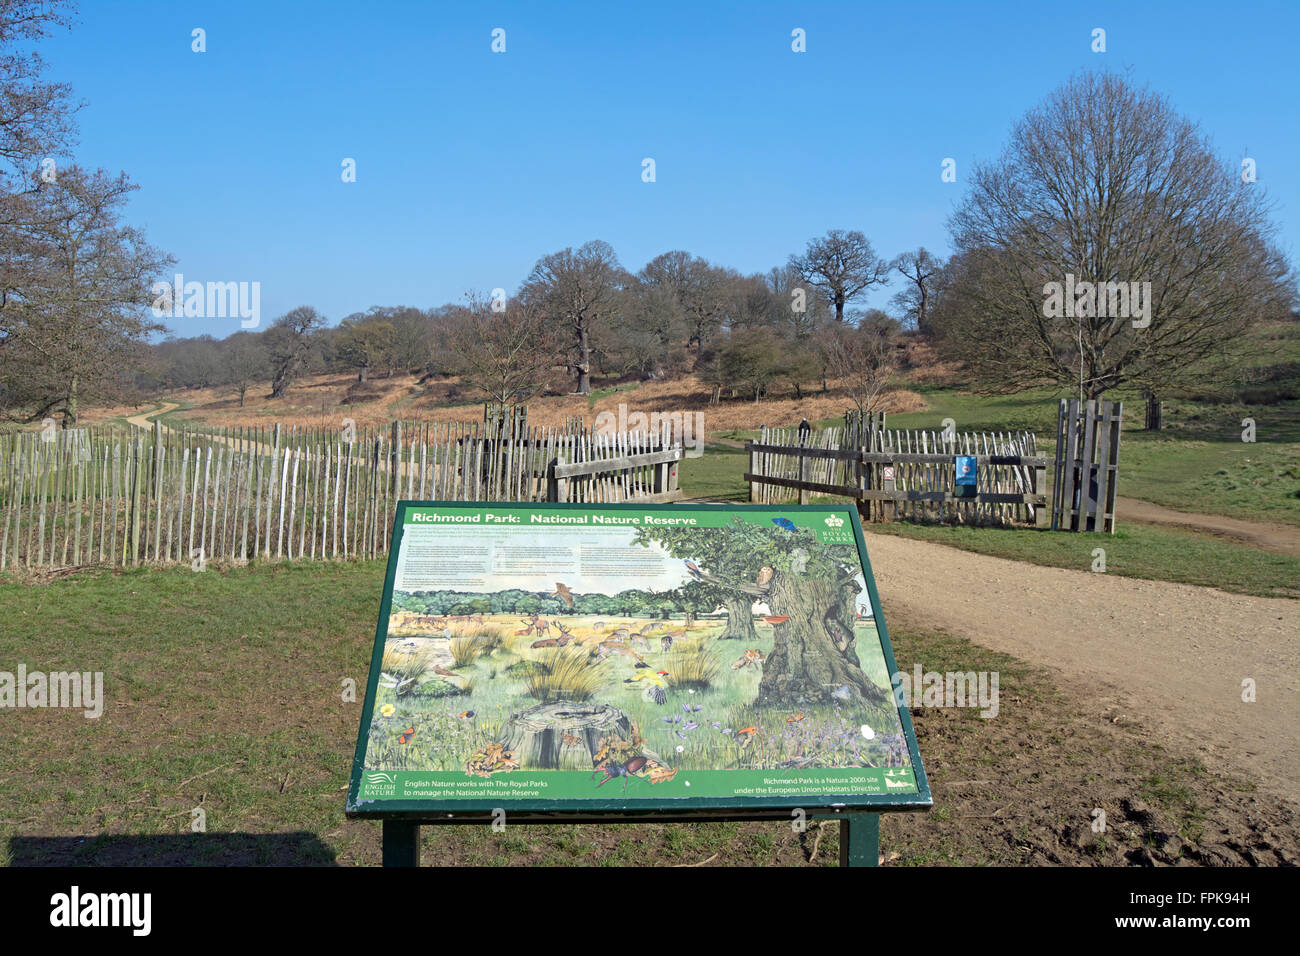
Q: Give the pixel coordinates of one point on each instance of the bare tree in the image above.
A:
(703, 292)
(364, 342)
(842, 265)
(648, 333)
(1108, 245)
(245, 362)
(920, 269)
(578, 291)
(864, 357)
(288, 342)
(509, 355)
(79, 321)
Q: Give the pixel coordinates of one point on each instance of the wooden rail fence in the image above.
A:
(903, 474)
(180, 494)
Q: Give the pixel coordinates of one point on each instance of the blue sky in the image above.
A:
(471, 165)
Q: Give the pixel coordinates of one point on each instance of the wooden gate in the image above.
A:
(1087, 466)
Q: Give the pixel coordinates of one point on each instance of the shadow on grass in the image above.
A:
(182, 849)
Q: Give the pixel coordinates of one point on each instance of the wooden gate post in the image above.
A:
(889, 508)
(753, 470)
(555, 487)
(1042, 513)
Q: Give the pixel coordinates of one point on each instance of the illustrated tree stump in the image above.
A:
(564, 735)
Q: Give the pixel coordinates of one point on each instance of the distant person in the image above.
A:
(804, 431)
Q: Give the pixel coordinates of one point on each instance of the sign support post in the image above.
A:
(860, 840)
(401, 843)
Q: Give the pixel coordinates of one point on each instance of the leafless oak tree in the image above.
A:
(508, 355)
(841, 265)
(288, 342)
(1105, 188)
(80, 317)
(920, 269)
(578, 291)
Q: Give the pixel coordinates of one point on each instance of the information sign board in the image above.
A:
(543, 658)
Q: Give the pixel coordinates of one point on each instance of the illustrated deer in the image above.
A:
(565, 636)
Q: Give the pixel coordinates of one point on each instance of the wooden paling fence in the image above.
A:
(896, 473)
(179, 494)
(1087, 465)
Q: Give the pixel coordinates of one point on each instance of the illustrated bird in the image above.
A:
(655, 686)
(764, 576)
(563, 593)
(693, 570)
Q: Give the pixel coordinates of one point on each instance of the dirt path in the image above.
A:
(1172, 656)
(143, 420)
(1271, 537)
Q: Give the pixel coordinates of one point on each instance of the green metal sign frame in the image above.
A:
(613, 809)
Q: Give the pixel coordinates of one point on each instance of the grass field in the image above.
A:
(224, 692)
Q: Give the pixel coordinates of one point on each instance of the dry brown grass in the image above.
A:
(321, 401)
(925, 367)
(685, 395)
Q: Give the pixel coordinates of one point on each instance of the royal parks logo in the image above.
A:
(836, 532)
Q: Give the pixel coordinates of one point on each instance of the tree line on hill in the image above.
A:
(1108, 247)
(580, 315)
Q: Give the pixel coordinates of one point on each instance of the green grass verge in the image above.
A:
(718, 474)
(1134, 550)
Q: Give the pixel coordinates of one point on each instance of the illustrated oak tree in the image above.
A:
(813, 586)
